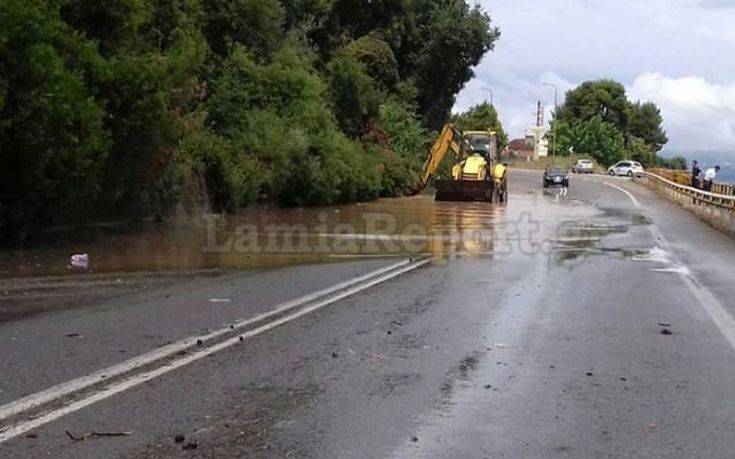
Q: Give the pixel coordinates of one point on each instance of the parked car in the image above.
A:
(555, 176)
(583, 166)
(629, 168)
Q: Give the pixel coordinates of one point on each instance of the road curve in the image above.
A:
(597, 325)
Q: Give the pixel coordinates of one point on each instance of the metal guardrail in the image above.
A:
(683, 177)
(723, 201)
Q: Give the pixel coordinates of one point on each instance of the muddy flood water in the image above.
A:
(263, 237)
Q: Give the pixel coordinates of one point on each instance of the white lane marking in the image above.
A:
(709, 302)
(116, 388)
(74, 385)
(630, 195)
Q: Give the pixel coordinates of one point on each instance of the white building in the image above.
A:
(537, 135)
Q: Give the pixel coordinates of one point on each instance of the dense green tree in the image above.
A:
(644, 123)
(114, 24)
(53, 142)
(603, 98)
(378, 58)
(354, 94)
(441, 44)
(435, 44)
(594, 137)
(300, 11)
(256, 24)
(602, 108)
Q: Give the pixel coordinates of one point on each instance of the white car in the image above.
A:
(629, 168)
(583, 166)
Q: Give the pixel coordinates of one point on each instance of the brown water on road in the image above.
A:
(261, 237)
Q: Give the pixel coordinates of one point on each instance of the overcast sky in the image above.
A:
(679, 54)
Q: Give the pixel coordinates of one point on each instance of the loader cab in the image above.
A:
(481, 144)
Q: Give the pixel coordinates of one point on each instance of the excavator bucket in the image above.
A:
(466, 190)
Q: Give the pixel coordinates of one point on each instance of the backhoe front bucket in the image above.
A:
(466, 190)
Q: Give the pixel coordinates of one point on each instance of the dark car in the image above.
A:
(555, 176)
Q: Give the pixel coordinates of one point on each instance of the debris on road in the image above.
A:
(664, 324)
(73, 335)
(666, 331)
(377, 358)
(190, 445)
(589, 373)
(80, 260)
(179, 439)
(87, 435)
(32, 435)
(219, 300)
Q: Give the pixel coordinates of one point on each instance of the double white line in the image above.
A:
(115, 379)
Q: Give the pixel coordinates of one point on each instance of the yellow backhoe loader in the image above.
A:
(477, 175)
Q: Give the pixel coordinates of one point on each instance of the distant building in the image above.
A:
(519, 150)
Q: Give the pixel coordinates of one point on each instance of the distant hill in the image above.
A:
(725, 159)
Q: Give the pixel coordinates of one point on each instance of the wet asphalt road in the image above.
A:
(494, 350)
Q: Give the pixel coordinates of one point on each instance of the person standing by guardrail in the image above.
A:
(709, 177)
(695, 174)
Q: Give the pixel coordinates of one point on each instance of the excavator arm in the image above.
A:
(449, 139)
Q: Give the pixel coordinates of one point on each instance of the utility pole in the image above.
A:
(490, 90)
(556, 106)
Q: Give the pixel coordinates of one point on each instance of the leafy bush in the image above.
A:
(377, 57)
(53, 142)
(275, 115)
(408, 145)
(355, 98)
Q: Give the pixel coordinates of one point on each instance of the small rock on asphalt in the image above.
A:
(190, 445)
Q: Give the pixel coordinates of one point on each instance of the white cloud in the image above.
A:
(698, 115)
(673, 52)
(515, 98)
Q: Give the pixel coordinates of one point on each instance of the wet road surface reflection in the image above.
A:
(263, 237)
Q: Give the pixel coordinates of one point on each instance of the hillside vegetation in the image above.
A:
(132, 107)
